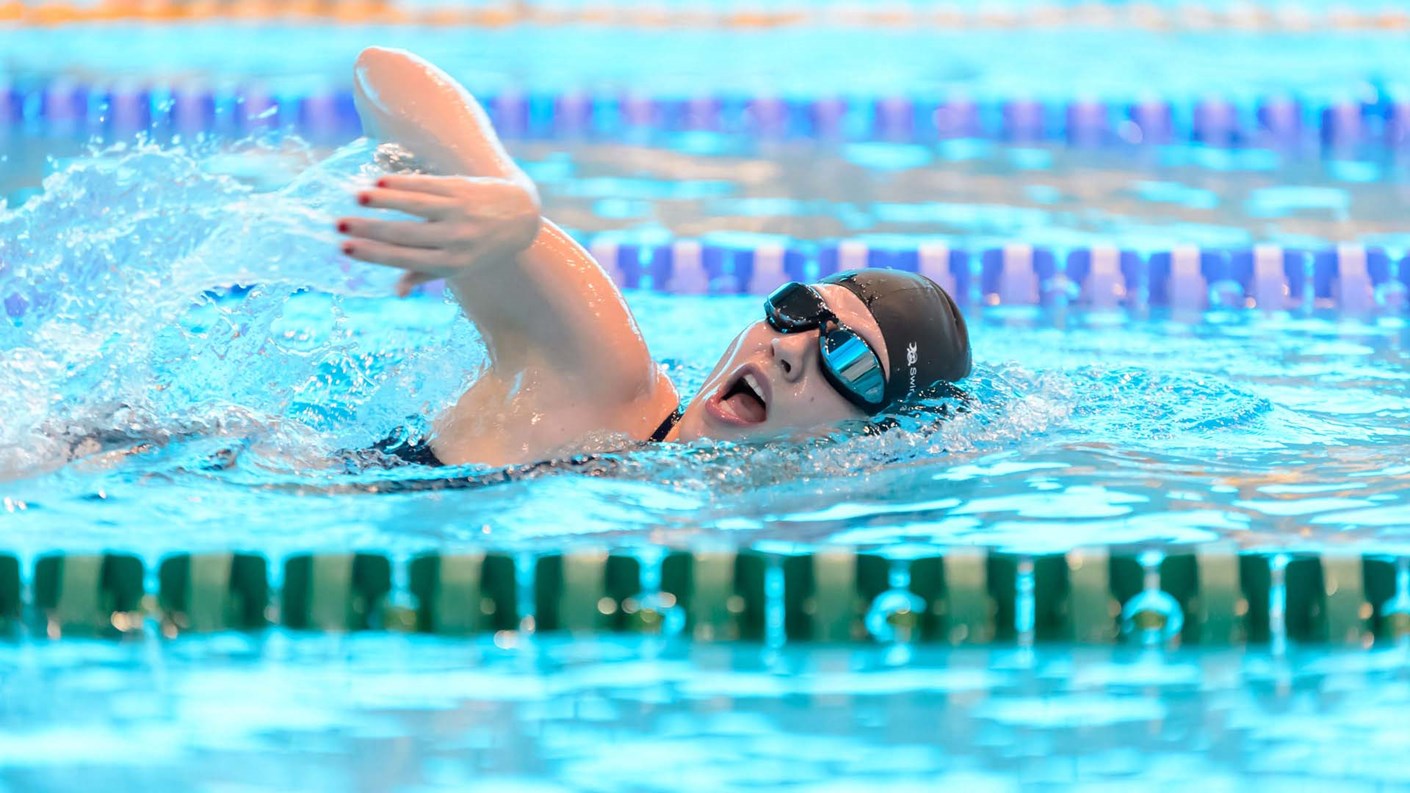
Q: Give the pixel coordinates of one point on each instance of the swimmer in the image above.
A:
(566, 361)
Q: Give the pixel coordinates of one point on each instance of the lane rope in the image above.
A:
(1204, 595)
(1352, 280)
(125, 107)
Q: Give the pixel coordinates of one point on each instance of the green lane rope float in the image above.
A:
(1198, 596)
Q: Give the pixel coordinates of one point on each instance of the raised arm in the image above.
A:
(548, 313)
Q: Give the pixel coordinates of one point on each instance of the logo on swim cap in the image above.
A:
(912, 355)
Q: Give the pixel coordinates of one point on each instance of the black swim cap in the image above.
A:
(926, 338)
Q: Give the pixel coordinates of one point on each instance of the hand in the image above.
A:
(466, 221)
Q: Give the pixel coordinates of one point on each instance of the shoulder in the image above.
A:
(539, 413)
(629, 400)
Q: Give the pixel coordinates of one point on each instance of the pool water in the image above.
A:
(971, 193)
(186, 361)
(1042, 62)
(379, 712)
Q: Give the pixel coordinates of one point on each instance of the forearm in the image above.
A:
(555, 305)
(404, 99)
(538, 298)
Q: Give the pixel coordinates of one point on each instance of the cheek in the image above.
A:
(748, 340)
(813, 404)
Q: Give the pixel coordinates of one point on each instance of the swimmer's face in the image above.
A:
(769, 383)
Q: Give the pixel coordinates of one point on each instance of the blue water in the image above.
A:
(185, 355)
(1035, 62)
(973, 194)
(384, 713)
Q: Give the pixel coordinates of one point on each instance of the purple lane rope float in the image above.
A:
(1354, 279)
(65, 106)
(1351, 279)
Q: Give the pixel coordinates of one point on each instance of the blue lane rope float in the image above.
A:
(1351, 279)
(1348, 277)
(123, 110)
(1354, 279)
(61, 105)
(1203, 595)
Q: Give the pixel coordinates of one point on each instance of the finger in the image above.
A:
(410, 281)
(412, 234)
(373, 252)
(419, 183)
(419, 204)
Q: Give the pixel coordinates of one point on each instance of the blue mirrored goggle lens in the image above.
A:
(853, 362)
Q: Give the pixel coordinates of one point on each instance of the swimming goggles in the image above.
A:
(850, 364)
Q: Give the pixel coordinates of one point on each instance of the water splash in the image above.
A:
(128, 317)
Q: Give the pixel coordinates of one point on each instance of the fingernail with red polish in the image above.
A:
(381, 182)
(347, 248)
(364, 199)
(342, 227)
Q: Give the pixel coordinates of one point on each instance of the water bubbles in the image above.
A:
(393, 158)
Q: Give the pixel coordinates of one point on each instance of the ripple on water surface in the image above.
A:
(642, 714)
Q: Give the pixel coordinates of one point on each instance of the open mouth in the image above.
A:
(742, 400)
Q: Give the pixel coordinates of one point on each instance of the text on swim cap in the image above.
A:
(912, 355)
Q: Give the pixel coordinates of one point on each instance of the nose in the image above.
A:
(791, 351)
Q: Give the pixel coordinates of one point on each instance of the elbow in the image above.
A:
(402, 97)
(373, 76)
(378, 69)
(370, 70)
(389, 84)
(370, 57)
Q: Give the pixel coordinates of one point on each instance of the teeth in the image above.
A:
(753, 385)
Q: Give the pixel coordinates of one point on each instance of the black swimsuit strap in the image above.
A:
(667, 425)
(419, 451)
